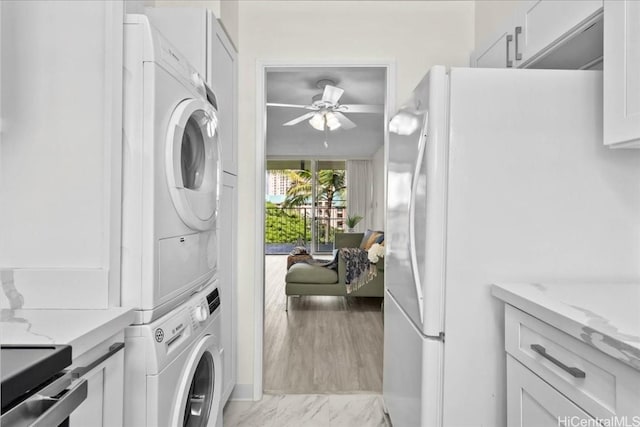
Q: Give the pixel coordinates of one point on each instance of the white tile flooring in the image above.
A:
(308, 410)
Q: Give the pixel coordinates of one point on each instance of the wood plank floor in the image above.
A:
(322, 344)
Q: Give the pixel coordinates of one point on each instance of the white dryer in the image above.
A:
(173, 367)
(171, 175)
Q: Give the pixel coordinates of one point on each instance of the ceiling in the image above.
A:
(362, 85)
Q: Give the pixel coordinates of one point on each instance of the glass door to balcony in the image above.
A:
(305, 204)
(330, 203)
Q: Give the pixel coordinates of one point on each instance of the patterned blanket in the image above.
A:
(359, 269)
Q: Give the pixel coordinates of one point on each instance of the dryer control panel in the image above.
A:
(213, 299)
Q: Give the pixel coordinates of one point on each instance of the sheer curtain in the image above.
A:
(360, 192)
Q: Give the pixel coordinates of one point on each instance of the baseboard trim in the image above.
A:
(242, 392)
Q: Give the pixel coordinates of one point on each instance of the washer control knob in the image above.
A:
(201, 313)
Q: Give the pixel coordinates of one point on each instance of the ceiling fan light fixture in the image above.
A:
(332, 121)
(317, 121)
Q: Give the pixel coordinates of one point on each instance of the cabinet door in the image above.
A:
(545, 22)
(498, 54)
(622, 73)
(531, 402)
(61, 149)
(223, 80)
(104, 404)
(227, 285)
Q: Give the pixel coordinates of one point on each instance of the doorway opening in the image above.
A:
(323, 343)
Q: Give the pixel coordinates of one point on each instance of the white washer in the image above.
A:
(173, 367)
(171, 175)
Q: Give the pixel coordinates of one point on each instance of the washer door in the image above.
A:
(200, 386)
(193, 163)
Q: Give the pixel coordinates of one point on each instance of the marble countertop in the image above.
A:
(82, 329)
(604, 316)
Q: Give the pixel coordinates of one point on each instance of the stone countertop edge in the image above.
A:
(565, 318)
(90, 327)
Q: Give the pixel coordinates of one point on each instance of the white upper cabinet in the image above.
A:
(544, 23)
(497, 54)
(222, 60)
(61, 150)
(545, 34)
(622, 73)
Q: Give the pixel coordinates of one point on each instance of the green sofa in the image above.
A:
(307, 279)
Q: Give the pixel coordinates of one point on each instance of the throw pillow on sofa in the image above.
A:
(370, 237)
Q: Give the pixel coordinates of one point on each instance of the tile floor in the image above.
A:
(308, 410)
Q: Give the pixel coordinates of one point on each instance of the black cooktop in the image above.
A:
(25, 368)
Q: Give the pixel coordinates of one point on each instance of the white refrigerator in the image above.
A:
(493, 176)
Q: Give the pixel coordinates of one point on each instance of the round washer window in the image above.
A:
(192, 154)
(198, 407)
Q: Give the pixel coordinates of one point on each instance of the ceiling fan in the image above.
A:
(326, 112)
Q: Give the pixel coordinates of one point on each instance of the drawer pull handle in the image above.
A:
(575, 372)
(113, 349)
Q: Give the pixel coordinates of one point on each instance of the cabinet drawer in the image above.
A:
(533, 402)
(596, 382)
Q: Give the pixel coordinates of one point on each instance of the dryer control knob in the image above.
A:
(201, 313)
(197, 80)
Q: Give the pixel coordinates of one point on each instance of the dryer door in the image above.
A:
(193, 163)
(200, 387)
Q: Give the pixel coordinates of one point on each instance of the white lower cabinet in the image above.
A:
(103, 406)
(555, 379)
(531, 402)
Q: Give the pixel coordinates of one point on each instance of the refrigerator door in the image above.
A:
(416, 206)
(412, 386)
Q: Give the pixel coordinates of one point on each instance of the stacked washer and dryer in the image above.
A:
(171, 190)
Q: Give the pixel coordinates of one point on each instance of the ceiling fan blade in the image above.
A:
(297, 120)
(345, 123)
(332, 94)
(275, 104)
(360, 108)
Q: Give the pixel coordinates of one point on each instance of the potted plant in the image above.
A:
(352, 221)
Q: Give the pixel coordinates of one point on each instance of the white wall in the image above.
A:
(413, 34)
(378, 190)
(229, 16)
(491, 15)
(213, 5)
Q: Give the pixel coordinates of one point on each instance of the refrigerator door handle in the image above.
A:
(412, 224)
(509, 61)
